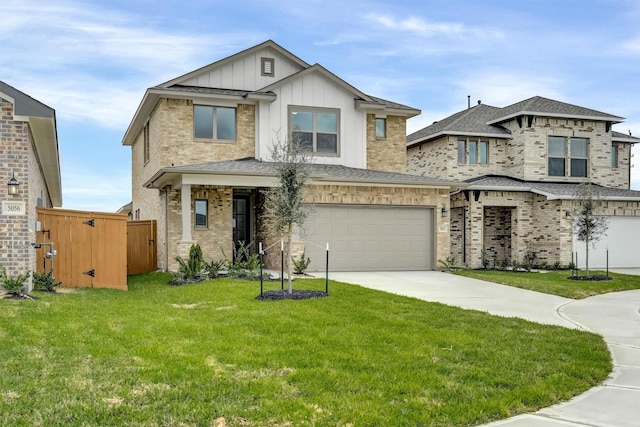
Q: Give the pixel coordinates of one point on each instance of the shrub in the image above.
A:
(484, 259)
(45, 282)
(300, 265)
(529, 259)
(213, 268)
(13, 285)
(556, 265)
(449, 263)
(191, 270)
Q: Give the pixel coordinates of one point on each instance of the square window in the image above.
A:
(316, 130)
(556, 166)
(214, 122)
(201, 208)
(381, 128)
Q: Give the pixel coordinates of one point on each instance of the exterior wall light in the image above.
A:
(443, 211)
(13, 185)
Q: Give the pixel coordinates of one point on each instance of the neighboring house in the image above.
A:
(523, 164)
(200, 160)
(29, 158)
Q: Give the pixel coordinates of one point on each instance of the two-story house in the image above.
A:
(200, 160)
(29, 175)
(523, 164)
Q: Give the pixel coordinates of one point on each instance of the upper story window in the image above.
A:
(316, 129)
(381, 128)
(614, 155)
(214, 122)
(575, 164)
(201, 211)
(473, 151)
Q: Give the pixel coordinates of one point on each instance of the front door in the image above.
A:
(241, 221)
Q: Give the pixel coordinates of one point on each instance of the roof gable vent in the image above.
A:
(267, 66)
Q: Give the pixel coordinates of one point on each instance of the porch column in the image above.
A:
(186, 211)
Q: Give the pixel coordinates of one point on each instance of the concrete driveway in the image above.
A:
(616, 316)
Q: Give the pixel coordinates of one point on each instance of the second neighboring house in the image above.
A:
(523, 164)
(29, 175)
(200, 162)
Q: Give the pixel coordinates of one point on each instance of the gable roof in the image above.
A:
(319, 173)
(538, 105)
(42, 123)
(472, 121)
(551, 190)
(484, 120)
(267, 44)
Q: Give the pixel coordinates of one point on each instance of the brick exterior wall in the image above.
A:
(172, 143)
(18, 156)
(528, 151)
(387, 154)
(439, 158)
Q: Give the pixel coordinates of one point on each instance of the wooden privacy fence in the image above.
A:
(141, 247)
(91, 247)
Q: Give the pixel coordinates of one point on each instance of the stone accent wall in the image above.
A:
(439, 158)
(387, 154)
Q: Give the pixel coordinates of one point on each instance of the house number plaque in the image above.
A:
(13, 208)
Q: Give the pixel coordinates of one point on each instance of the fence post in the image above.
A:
(261, 275)
(282, 265)
(607, 262)
(326, 280)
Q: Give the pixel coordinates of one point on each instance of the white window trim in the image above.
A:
(314, 110)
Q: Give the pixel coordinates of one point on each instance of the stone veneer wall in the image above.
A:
(387, 154)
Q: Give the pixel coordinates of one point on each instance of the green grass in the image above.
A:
(557, 282)
(187, 356)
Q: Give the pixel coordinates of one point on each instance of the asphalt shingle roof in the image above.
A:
(472, 120)
(553, 190)
(251, 166)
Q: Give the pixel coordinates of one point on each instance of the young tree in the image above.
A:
(588, 225)
(284, 203)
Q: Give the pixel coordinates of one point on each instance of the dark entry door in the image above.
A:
(241, 221)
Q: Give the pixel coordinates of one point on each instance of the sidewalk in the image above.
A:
(616, 316)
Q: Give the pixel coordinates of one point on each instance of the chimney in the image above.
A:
(468, 101)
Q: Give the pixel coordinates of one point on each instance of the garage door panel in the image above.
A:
(370, 238)
(623, 235)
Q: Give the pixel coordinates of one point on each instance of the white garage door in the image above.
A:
(367, 238)
(622, 241)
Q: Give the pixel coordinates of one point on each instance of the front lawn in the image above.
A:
(192, 355)
(557, 282)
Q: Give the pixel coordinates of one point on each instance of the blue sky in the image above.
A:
(93, 60)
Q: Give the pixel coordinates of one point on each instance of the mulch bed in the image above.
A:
(296, 294)
(594, 278)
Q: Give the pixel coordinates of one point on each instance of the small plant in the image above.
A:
(449, 263)
(494, 262)
(300, 265)
(515, 265)
(556, 265)
(45, 282)
(484, 259)
(245, 264)
(504, 263)
(529, 259)
(543, 265)
(13, 285)
(571, 266)
(214, 267)
(191, 270)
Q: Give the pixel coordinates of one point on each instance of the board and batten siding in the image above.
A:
(316, 91)
(244, 73)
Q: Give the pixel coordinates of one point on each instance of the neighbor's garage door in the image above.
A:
(622, 239)
(366, 238)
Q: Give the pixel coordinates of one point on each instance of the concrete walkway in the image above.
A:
(616, 316)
